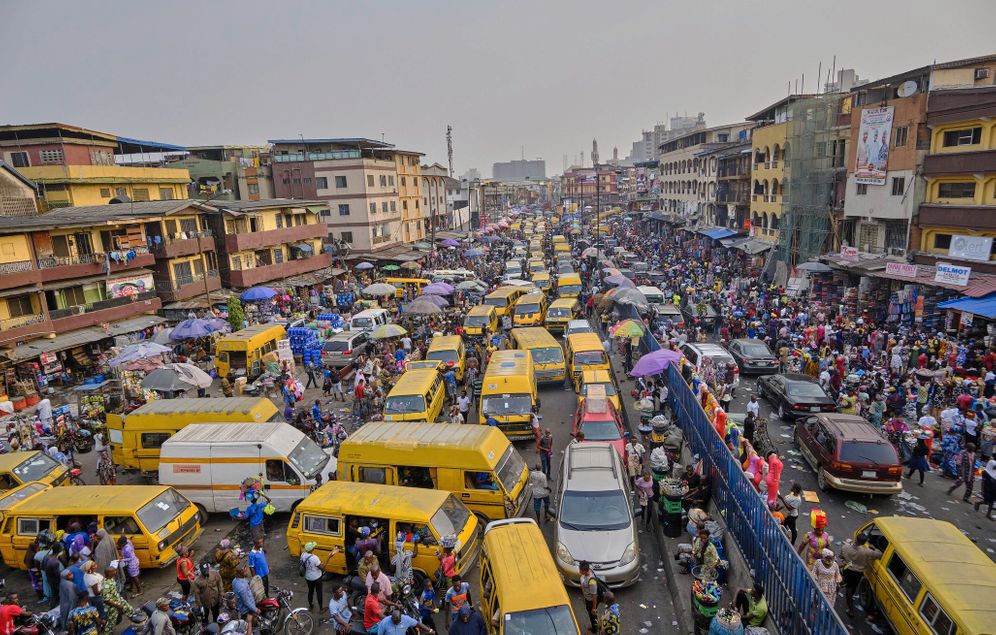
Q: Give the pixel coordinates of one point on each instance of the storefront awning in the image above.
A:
(80, 337)
(717, 232)
(984, 307)
(755, 246)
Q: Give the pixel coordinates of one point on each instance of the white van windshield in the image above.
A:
(308, 458)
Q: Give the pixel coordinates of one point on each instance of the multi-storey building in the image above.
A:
(263, 241)
(688, 181)
(594, 187)
(435, 212)
(408, 167)
(358, 180)
(74, 166)
(227, 172)
(18, 194)
(733, 176)
(957, 220)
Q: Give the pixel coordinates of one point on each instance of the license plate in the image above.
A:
(814, 409)
(868, 474)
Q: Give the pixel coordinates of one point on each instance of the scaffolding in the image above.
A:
(807, 225)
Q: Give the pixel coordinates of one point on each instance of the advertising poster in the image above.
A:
(130, 286)
(873, 145)
(952, 274)
(971, 247)
(641, 180)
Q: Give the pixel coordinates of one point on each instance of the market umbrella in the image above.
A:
(574, 231)
(630, 296)
(142, 350)
(189, 329)
(219, 325)
(161, 337)
(489, 239)
(391, 268)
(363, 266)
(411, 264)
(385, 331)
(654, 363)
(420, 307)
(471, 285)
(378, 290)
(814, 267)
(473, 253)
(255, 294)
(176, 378)
(628, 328)
(438, 300)
(620, 281)
(438, 288)
(449, 242)
(190, 374)
(590, 252)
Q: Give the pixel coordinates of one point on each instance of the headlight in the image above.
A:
(563, 554)
(629, 555)
(162, 545)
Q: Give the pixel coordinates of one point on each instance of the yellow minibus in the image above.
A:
(242, 351)
(530, 310)
(18, 468)
(503, 299)
(481, 320)
(449, 350)
(418, 396)
(560, 312)
(508, 393)
(585, 352)
(569, 285)
(546, 353)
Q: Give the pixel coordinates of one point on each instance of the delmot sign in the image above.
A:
(952, 274)
(901, 269)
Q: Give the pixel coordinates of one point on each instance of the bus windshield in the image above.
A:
(158, 512)
(404, 404)
(551, 355)
(503, 405)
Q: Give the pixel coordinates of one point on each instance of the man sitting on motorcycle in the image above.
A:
(375, 607)
(398, 624)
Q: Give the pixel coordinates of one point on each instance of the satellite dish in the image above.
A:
(907, 89)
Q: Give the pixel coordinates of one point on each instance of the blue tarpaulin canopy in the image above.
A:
(984, 307)
(717, 233)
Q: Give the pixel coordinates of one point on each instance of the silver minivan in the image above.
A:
(595, 516)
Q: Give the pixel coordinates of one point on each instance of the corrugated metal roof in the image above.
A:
(226, 405)
(985, 307)
(80, 336)
(94, 214)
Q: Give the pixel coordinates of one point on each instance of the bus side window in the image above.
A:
(373, 475)
(120, 525)
(277, 470)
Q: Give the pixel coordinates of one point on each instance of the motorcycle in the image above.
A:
(182, 615)
(276, 616)
(39, 624)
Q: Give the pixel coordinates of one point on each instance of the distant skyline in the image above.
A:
(514, 78)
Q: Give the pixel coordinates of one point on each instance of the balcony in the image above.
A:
(960, 163)
(24, 327)
(183, 244)
(58, 268)
(978, 217)
(104, 311)
(18, 274)
(186, 287)
(242, 278)
(255, 240)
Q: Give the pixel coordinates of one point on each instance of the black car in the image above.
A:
(795, 395)
(753, 356)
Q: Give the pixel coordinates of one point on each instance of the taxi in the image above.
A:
(592, 379)
(599, 420)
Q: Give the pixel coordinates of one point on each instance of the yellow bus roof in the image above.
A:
(584, 342)
(508, 363)
(597, 376)
(523, 567)
(530, 336)
(503, 292)
(960, 574)
(124, 499)
(365, 498)
(568, 278)
(482, 309)
(11, 460)
(563, 303)
(442, 444)
(210, 405)
(445, 343)
(252, 331)
(541, 276)
(414, 382)
(531, 298)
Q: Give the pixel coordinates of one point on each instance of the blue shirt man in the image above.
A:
(316, 412)
(258, 563)
(388, 625)
(244, 601)
(254, 513)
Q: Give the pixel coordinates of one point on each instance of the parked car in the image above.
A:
(595, 517)
(599, 420)
(850, 454)
(794, 395)
(753, 356)
(343, 348)
(669, 311)
(696, 354)
(578, 326)
(706, 319)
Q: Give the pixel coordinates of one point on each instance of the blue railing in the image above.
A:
(795, 604)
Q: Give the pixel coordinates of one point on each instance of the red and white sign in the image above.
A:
(901, 269)
(849, 253)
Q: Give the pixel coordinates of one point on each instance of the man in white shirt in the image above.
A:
(950, 416)
(927, 421)
(406, 344)
(753, 406)
(463, 402)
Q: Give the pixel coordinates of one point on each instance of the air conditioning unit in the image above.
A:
(897, 251)
(981, 73)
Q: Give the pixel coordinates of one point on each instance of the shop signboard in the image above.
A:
(130, 286)
(849, 253)
(966, 319)
(952, 274)
(971, 247)
(901, 269)
(873, 146)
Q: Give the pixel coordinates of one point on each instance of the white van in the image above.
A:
(452, 276)
(655, 297)
(208, 462)
(368, 320)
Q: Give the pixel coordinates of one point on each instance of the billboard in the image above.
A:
(641, 180)
(131, 286)
(971, 247)
(873, 145)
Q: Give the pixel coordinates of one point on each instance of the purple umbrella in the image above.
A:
(191, 328)
(438, 300)
(364, 265)
(449, 242)
(654, 363)
(438, 288)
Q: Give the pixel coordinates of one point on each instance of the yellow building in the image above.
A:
(769, 151)
(410, 194)
(77, 167)
(955, 220)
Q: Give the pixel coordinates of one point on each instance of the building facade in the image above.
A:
(519, 169)
(74, 166)
(436, 214)
(265, 241)
(733, 190)
(227, 172)
(409, 174)
(18, 194)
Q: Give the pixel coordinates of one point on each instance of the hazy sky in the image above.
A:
(546, 75)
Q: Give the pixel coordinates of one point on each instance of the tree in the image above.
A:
(235, 314)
